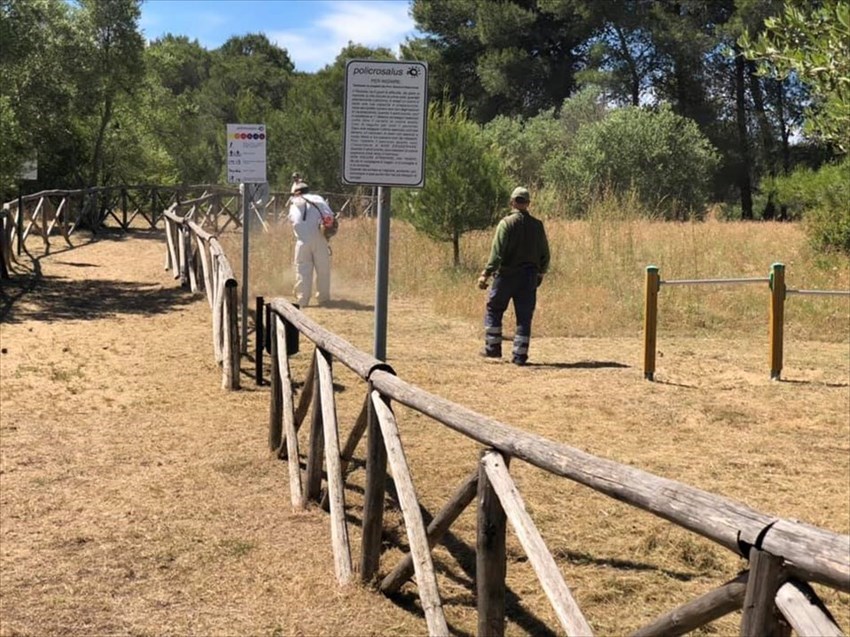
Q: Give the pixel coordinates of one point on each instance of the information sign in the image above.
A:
(246, 153)
(386, 111)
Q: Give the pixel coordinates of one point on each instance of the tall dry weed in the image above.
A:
(596, 283)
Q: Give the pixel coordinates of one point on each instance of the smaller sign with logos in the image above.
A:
(28, 170)
(246, 153)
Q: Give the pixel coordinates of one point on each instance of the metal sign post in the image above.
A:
(386, 112)
(246, 165)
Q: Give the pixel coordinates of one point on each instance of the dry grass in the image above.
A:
(596, 285)
(139, 499)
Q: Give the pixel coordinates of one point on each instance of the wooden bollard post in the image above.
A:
(777, 318)
(650, 320)
(268, 321)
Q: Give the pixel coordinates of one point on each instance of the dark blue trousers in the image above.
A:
(521, 288)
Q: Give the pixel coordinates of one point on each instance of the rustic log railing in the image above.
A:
(196, 257)
(784, 555)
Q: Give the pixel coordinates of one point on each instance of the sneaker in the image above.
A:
(519, 361)
(487, 354)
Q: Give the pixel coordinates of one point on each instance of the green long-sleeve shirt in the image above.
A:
(520, 241)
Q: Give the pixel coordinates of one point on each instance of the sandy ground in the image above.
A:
(139, 498)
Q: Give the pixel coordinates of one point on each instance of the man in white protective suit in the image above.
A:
(308, 214)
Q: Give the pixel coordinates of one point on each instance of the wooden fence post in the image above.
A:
(313, 488)
(231, 353)
(373, 500)
(777, 318)
(336, 487)
(183, 252)
(650, 320)
(276, 402)
(760, 617)
(490, 557)
(124, 223)
(5, 247)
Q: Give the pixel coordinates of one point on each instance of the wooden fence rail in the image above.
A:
(784, 554)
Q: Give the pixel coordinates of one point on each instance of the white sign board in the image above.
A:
(29, 170)
(246, 153)
(386, 111)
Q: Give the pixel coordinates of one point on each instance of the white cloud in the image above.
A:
(373, 24)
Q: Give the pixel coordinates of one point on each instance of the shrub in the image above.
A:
(527, 146)
(662, 157)
(819, 197)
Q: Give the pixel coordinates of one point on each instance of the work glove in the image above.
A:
(539, 279)
(482, 281)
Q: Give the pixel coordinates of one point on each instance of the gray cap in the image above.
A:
(521, 192)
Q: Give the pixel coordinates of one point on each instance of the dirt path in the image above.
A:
(138, 498)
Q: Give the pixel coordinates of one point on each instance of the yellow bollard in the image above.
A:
(777, 318)
(650, 320)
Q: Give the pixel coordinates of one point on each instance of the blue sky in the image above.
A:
(312, 31)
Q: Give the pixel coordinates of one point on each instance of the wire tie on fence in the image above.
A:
(744, 546)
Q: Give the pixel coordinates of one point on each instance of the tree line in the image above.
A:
(682, 102)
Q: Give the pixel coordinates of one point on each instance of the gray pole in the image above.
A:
(382, 274)
(246, 223)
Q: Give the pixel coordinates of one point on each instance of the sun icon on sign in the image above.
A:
(413, 71)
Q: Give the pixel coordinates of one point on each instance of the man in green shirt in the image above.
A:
(519, 258)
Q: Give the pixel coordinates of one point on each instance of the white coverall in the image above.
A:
(306, 212)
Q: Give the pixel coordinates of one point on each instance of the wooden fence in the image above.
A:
(196, 257)
(784, 555)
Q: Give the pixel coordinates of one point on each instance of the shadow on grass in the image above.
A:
(347, 304)
(791, 381)
(463, 553)
(582, 559)
(56, 298)
(579, 365)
